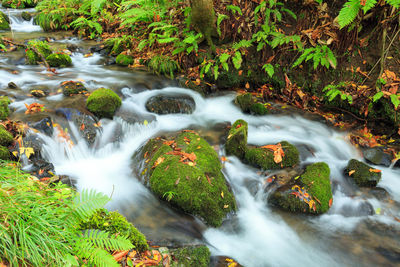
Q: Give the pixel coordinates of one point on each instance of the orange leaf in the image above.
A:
(330, 202)
(351, 172)
(374, 170)
(223, 159)
(158, 162)
(278, 152)
(82, 128)
(120, 255)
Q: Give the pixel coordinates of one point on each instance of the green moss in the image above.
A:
(315, 182)
(200, 188)
(124, 60)
(4, 110)
(32, 58)
(103, 103)
(192, 256)
(264, 157)
(59, 60)
(115, 223)
(384, 109)
(4, 22)
(4, 153)
(236, 143)
(163, 65)
(362, 175)
(5, 137)
(258, 109)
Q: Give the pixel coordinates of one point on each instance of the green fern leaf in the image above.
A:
(369, 4)
(87, 202)
(395, 3)
(349, 12)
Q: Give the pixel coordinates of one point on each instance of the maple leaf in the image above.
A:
(278, 152)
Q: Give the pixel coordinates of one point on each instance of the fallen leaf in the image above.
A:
(158, 162)
(330, 202)
(351, 172)
(278, 152)
(222, 194)
(374, 170)
(226, 206)
(177, 181)
(82, 128)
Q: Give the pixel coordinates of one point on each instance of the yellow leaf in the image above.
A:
(226, 206)
(191, 164)
(351, 172)
(222, 194)
(228, 260)
(229, 136)
(378, 211)
(28, 151)
(145, 122)
(15, 153)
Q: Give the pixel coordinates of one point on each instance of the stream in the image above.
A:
(257, 235)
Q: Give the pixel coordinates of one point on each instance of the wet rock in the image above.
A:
(4, 153)
(362, 174)
(309, 193)
(70, 88)
(59, 60)
(5, 137)
(236, 143)
(86, 125)
(186, 172)
(65, 179)
(4, 22)
(377, 156)
(40, 91)
(101, 49)
(221, 261)
(103, 103)
(261, 157)
(45, 126)
(72, 47)
(378, 192)
(247, 103)
(198, 256)
(26, 16)
(12, 85)
(42, 168)
(363, 208)
(134, 117)
(165, 104)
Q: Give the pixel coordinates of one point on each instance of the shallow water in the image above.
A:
(257, 235)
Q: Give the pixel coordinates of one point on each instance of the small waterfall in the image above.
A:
(17, 23)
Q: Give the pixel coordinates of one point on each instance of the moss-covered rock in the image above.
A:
(124, 60)
(264, 157)
(5, 137)
(4, 153)
(26, 16)
(247, 103)
(33, 48)
(236, 143)
(309, 193)
(363, 174)
(70, 88)
(192, 256)
(187, 172)
(4, 110)
(59, 60)
(103, 103)
(115, 223)
(31, 3)
(4, 22)
(163, 65)
(167, 104)
(383, 109)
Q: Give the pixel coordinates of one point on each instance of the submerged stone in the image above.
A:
(73, 88)
(377, 156)
(236, 143)
(363, 174)
(59, 60)
(186, 171)
(103, 103)
(262, 157)
(309, 193)
(26, 16)
(166, 104)
(247, 103)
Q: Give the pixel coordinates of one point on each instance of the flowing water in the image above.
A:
(257, 235)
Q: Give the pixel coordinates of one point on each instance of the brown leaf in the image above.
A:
(177, 181)
(158, 162)
(278, 152)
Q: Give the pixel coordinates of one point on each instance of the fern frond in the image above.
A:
(395, 3)
(369, 4)
(87, 202)
(96, 6)
(96, 256)
(349, 12)
(102, 239)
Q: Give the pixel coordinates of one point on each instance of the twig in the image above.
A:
(13, 43)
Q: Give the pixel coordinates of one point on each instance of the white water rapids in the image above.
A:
(256, 235)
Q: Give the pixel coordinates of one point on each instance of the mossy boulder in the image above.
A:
(70, 88)
(383, 109)
(4, 110)
(264, 157)
(34, 48)
(115, 223)
(26, 16)
(124, 60)
(363, 174)
(236, 143)
(247, 103)
(186, 171)
(198, 256)
(4, 22)
(5, 137)
(4, 153)
(59, 60)
(309, 193)
(103, 103)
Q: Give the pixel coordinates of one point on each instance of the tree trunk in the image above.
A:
(203, 19)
